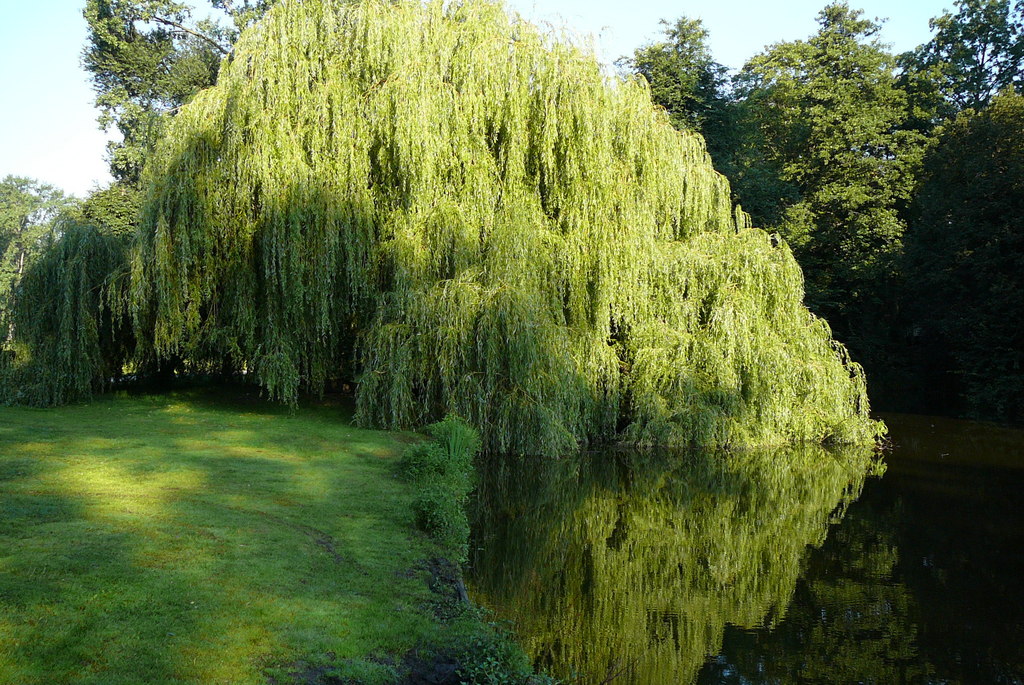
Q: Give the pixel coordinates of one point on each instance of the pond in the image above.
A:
(799, 565)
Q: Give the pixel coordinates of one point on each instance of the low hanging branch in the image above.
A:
(195, 34)
(467, 216)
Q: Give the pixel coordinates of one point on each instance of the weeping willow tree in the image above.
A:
(72, 334)
(464, 214)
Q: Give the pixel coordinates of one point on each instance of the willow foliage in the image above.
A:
(466, 215)
(71, 335)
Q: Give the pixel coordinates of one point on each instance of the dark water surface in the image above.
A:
(800, 565)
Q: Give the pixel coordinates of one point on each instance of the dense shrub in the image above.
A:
(442, 469)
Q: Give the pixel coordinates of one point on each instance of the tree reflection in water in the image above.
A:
(851, 620)
(631, 564)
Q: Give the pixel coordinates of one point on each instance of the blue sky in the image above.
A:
(48, 123)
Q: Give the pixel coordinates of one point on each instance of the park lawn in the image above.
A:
(195, 537)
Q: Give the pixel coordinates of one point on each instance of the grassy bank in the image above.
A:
(193, 538)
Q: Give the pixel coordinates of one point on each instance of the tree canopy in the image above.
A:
(466, 215)
(963, 259)
(976, 52)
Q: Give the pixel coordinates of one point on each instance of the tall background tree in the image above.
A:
(146, 58)
(689, 84)
(976, 52)
(825, 118)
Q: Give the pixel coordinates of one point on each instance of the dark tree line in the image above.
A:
(896, 179)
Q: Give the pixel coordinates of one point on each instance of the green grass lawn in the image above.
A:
(192, 538)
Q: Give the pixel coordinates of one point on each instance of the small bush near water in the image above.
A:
(443, 470)
(494, 658)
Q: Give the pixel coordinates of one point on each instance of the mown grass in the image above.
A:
(193, 538)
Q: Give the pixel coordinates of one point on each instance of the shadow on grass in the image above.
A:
(172, 539)
(76, 607)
